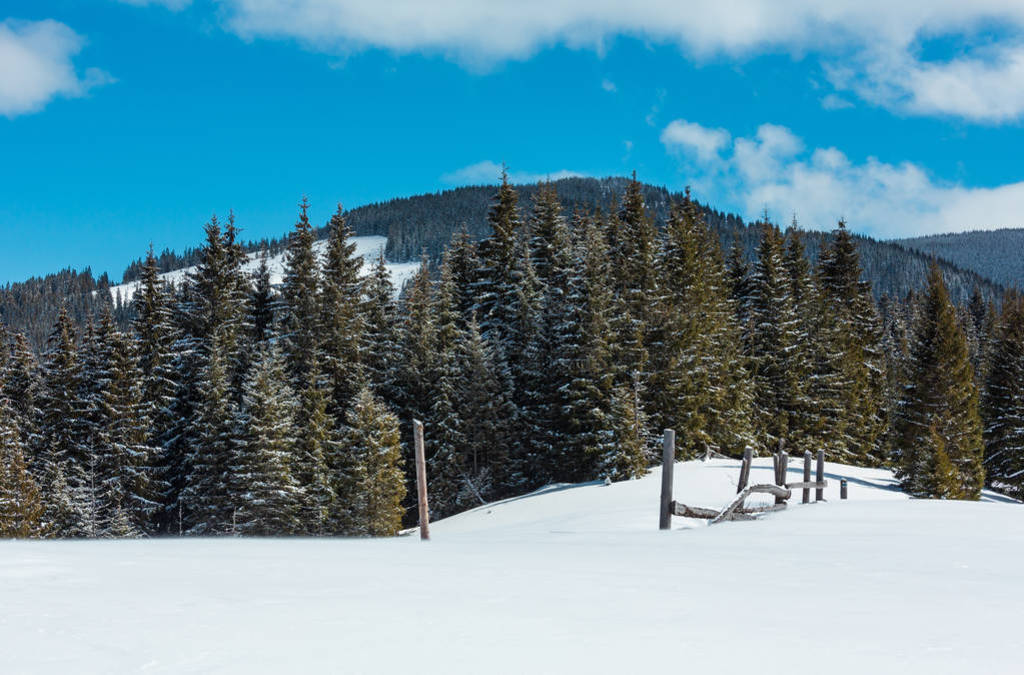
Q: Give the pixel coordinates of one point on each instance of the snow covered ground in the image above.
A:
(573, 579)
(368, 248)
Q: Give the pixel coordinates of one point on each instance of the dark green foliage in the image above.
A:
(265, 497)
(21, 504)
(939, 434)
(1003, 408)
(373, 442)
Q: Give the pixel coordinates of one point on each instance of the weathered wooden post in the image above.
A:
(819, 493)
(807, 477)
(668, 465)
(842, 489)
(748, 457)
(421, 479)
(780, 478)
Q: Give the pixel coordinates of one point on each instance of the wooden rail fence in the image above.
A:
(736, 510)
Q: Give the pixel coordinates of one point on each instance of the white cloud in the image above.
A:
(876, 41)
(834, 102)
(36, 66)
(703, 142)
(774, 170)
(488, 172)
(609, 86)
(986, 85)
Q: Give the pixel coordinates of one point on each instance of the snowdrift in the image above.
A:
(568, 579)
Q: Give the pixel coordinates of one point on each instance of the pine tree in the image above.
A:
(343, 324)
(632, 253)
(205, 497)
(851, 337)
(315, 464)
(778, 369)
(265, 496)
(62, 409)
(380, 337)
(939, 434)
(698, 383)
(495, 281)
(155, 336)
(581, 369)
(22, 388)
(263, 300)
(21, 504)
(627, 456)
(300, 302)
(373, 440)
(1004, 401)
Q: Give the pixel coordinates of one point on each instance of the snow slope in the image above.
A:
(368, 248)
(571, 579)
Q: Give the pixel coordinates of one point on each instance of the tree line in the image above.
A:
(552, 350)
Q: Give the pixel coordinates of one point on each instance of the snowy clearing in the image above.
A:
(569, 579)
(368, 248)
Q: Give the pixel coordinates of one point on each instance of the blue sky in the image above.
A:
(129, 122)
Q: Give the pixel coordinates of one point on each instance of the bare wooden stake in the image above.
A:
(842, 489)
(748, 457)
(421, 479)
(819, 494)
(781, 477)
(668, 465)
(807, 477)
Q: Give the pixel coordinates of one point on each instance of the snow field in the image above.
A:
(368, 248)
(572, 579)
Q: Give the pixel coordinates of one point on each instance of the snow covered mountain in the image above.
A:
(368, 248)
(572, 578)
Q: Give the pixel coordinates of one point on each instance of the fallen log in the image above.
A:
(777, 490)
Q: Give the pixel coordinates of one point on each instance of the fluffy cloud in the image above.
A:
(986, 85)
(774, 170)
(704, 143)
(880, 37)
(488, 172)
(36, 66)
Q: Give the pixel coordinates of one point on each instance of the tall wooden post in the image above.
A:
(668, 465)
(421, 479)
(807, 476)
(748, 457)
(819, 493)
(780, 478)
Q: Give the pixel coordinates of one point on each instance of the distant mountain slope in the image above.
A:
(425, 224)
(996, 254)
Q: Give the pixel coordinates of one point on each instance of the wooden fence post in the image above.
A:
(819, 493)
(748, 457)
(780, 478)
(807, 477)
(668, 465)
(842, 489)
(421, 479)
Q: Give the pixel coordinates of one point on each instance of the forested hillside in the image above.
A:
(996, 254)
(425, 224)
(553, 350)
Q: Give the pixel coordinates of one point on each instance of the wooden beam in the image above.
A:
(807, 485)
(668, 465)
(421, 479)
(693, 511)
